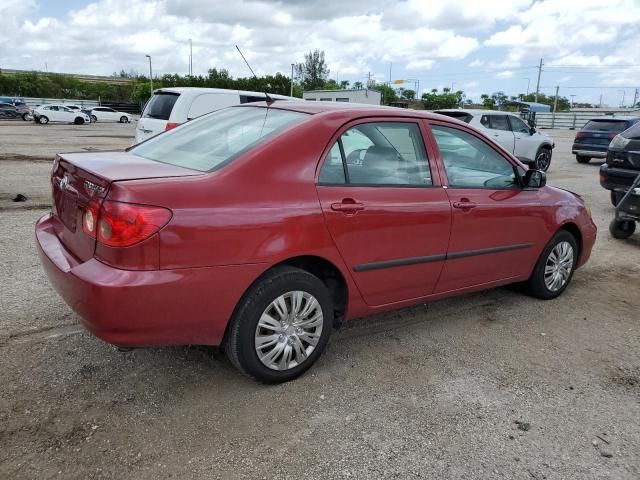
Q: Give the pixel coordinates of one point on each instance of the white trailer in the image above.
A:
(360, 95)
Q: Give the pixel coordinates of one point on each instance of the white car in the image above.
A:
(508, 130)
(170, 107)
(106, 114)
(59, 113)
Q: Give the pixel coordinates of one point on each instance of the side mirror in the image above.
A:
(534, 179)
(532, 130)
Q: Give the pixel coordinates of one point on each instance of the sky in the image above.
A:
(589, 48)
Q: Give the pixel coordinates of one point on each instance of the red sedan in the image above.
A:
(262, 227)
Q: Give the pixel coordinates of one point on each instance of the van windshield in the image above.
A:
(160, 105)
(215, 139)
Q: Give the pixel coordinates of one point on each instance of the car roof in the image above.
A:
(476, 111)
(620, 118)
(355, 109)
(181, 90)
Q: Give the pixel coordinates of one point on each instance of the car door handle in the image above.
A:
(464, 205)
(348, 205)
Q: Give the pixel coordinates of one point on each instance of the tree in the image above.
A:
(344, 84)
(434, 100)
(358, 85)
(388, 93)
(409, 94)
(313, 73)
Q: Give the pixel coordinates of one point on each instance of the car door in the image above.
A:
(385, 211)
(497, 228)
(54, 114)
(66, 114)
(499, 129)
(526, 145)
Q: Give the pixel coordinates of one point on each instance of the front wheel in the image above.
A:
(94, 119)
(554, 270)
(27, 117)
(79, 121)
(43, 120)
(124, 119)
(281, 326)
(622, 229)
(543, 159)
(582, 159)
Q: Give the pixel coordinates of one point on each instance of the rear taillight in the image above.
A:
(612, 135)
(119, 224)
(171, 126)
(580, 134)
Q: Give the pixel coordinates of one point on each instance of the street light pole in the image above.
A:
(150, 74)
(190, 58)
(291, 92)
(527, 84)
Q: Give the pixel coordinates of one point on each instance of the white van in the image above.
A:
(170, 107)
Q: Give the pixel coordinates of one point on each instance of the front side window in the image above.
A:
(518, 125)
(470, 162)
(217, 138)
(381, 153)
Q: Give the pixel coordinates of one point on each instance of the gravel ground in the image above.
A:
(489, 385)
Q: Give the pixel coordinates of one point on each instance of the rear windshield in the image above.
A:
(633, 132)
(463, 116)
(211, 141)
(606, 125)
(160, 105)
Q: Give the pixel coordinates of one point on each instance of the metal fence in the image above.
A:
(34, 102)
(566, 120)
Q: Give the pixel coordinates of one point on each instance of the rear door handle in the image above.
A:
(465, 205)
(347, 205)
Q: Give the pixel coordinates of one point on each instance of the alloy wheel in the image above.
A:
(289, 330)
(559, 266)
(543, 160)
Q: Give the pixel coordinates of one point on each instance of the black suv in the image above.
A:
(618, 173)
(593, 140)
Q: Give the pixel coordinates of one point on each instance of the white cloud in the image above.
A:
(505, 74)
(476, 63)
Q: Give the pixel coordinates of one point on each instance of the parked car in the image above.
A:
(260, 229)
(618, 172)
(59, 113)
(529, 145)
(170, 107)
(14, 111)
(107, 114)
(592, 141)
(78, 108)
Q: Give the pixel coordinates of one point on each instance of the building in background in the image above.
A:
(362, 95)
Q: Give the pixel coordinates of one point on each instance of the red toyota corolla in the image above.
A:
(260, 228)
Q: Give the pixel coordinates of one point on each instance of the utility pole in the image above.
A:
(624, 92)
(600, 101)
(369, 80)
(291, 93)
(538, 84)
(150, 74)
(190, 58)
(528, 84)
(572, 100)
(390, 65)
(635, 97)
(555, 100)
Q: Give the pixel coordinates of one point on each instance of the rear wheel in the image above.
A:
(26, 117)
(554, 270)
(543, 159)
(124, 119)
(94, 119)
(43, 120)
(622, 229)
(281, 326)
(582, 159)
(79, 121)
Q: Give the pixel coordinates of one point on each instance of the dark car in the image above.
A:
(618, 173)
(15, 111)
(594, 138)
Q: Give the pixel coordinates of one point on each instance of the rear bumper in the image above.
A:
(618, 179)
(589, 151)
(144, 308)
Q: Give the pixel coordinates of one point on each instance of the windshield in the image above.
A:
(606, 125)
(215, 139)
(160, 105)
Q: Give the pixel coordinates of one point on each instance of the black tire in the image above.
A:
(43, 120)
(94, 119)
(124, 119)
(79, 121)
(26, 117)
(582, 159)
(536, 285)
(622, 229)
(240, 339)
(614, 198)
(543, 159)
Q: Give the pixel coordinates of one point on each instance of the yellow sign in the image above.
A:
(398, 82)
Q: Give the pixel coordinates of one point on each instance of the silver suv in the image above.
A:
(511, 132)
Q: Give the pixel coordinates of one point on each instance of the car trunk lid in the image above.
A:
(81, 179)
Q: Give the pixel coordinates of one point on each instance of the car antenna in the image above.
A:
(269, 99)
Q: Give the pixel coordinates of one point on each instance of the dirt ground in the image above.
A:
(489, 385)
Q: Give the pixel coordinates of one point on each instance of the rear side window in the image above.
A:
(160, 105)
(213, 140)
(499, 122)
(381, 153)
(606, 125)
